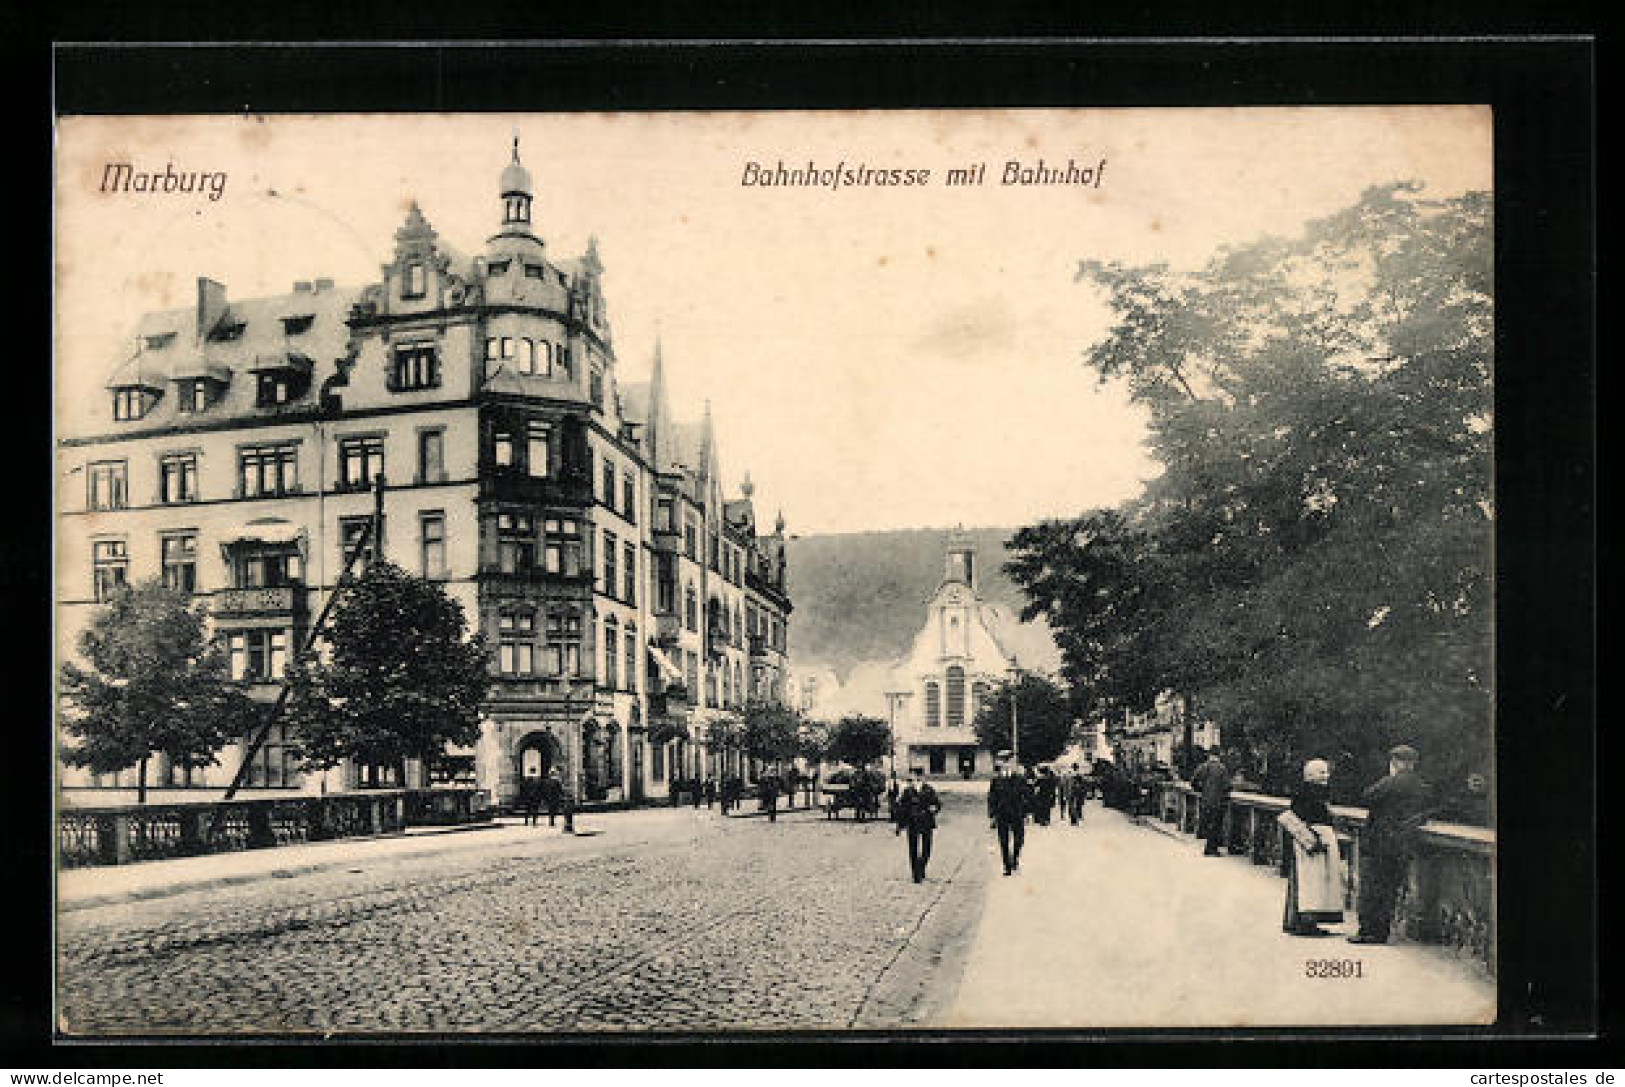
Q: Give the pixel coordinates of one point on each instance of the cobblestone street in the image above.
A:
(673, 920)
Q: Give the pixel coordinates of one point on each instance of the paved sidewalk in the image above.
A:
(82, 888)
(1114, 925)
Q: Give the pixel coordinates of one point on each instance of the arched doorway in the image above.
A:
(594, 760)
(537, 754)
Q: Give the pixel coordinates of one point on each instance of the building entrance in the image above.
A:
(939, 760)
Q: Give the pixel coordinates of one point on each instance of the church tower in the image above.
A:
(959, 565)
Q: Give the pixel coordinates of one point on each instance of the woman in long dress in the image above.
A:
(1314, 869)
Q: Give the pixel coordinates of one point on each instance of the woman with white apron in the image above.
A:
(1310, 856)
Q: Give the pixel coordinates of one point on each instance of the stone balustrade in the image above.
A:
(1449, 892)
(138, 832)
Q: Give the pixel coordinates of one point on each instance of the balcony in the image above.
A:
(758, 646)
(668, 628)
(510, 483)
(666, 540)
(277, 600)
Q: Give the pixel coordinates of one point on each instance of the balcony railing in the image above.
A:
(668, 628)
(265, 600)
(758, 645)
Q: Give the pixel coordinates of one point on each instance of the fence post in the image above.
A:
(113, 837)
(192, 832)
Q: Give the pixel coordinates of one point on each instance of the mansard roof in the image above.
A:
(239, 337)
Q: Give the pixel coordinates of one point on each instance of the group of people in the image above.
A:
(1396, 807)
(536, 793)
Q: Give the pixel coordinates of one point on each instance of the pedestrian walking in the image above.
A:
(529, 798)
(1310, 858)
(1396, 808)
(1045, 796)
(767, 791)
(553, 796)
(1009, 799)
(918, 805)
(1212, 780)
(676, 790)
(1077, 791)
(710, 791)
(698, 789)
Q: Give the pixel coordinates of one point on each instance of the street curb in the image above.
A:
(213, 882)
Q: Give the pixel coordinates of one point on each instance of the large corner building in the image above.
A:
(628, 600)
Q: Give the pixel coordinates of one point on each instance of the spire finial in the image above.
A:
(747, 488)
(516, 143)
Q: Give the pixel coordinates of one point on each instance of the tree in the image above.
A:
(399, 678)
(1312, 568)
(860, 740)
(771, 733)
(1043, 718)
(156, 684)
(813, 739)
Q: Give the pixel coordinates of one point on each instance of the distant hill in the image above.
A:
(860, 597)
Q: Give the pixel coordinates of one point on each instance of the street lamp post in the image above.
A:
(1015, 736)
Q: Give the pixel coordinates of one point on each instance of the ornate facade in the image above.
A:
(627, 601)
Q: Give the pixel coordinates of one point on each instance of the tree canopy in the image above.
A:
(860, 740)
(1044, 716)
(771, 733)
(156, 683)
(399, 678)
(1312, 568)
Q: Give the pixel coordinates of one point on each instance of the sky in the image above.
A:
(875, 357)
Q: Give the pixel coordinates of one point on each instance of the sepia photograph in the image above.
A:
(719, 572)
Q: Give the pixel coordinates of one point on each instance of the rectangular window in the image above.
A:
(516, 642)
(691, 544)
(129, 404)
(108, 483)
(415, 284)
(691, 672)
(110, 567)
(629, 498)
(563, 546)
(537, 460)
(610, 583)
(665, 584)
(564, 643)
(417, 366)
(273, 389)
(352, 532)
(502, 449)
(607, 496)
(629, 563)
(665, 520)
(192, 396)
(431, 456)
(258, 656)
(596, 387)
(361, 460)
(432, 543)
(264, 470)
(180, 560)
(266, 566)
(630, 638)
(657, 762)
(177, 478)
(534, 271)
(293, 326)
(516, 543)
(507, 349)
(612, 652)
(275, 765)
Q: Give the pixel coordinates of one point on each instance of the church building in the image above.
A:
(956, 662)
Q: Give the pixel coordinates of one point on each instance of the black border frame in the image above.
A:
(1542, 93)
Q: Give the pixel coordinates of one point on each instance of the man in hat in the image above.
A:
(1212, 780)
(1077, 791)
(553, 795)
(917, 808)
(1396, 808)
(1009, 798)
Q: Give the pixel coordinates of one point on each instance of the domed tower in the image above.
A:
(516, 194)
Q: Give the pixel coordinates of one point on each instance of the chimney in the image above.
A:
(301, 286)
(211, 305)
(324, 284)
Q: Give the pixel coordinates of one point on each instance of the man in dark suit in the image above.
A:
(529, 796)
(553, 795)
(917, 807)
(1009, 798)
(1396, 808)
(1212, 780)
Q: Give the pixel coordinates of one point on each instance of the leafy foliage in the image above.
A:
(771, 733)
(156, 683)
(1312, 568)
(399, 678)
(860, 740)
(1044, 716)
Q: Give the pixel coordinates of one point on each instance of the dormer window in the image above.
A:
(281, 378)
(227, 330)
(274, 389)
(131, 403)
(497, 268)
(535, 271)
(415, 284)
(192, 395)
(159, 340)
(293, 326)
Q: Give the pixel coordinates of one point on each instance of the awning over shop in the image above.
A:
(665, 665)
